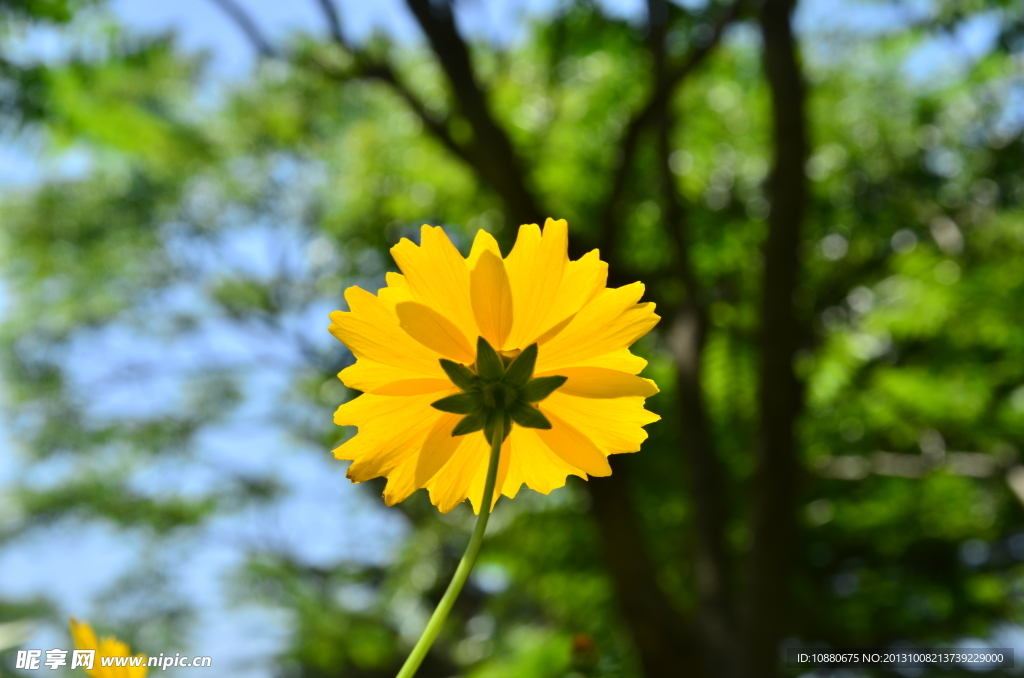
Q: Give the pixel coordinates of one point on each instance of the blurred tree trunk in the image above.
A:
(712, 572)
(687, 332)
(781, 393)
(489, 148)
(665, 645)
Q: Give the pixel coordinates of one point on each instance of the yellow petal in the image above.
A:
(571, 445)
(601, 382)
(548, 289)
(434, 331)
(84, 638)
(401, 482)
(613, 425)
(450, 486)
(483, 242)
(611, 321)
(390, 430)
(370, 377)
(621, 360)
(492, 298)
(582, 280)
(476, 487)
(417, 470)
(534, 464)
(408, 387)
(83, 635)
(397, 290)
(553, 331)
(535, 266)
(438, 277)
(371, 332)
(438, 448)
(112, 647)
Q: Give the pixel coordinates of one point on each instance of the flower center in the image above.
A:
(497, 388)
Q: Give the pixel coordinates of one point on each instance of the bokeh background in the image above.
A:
(824, 200)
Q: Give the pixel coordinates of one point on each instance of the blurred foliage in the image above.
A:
(912, 282)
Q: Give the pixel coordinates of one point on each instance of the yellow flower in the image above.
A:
(444, 308)
(85, 639)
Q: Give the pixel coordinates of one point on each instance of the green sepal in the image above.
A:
(492, 421)
(470, 424)
(528, 416)
(460, 403)
(460, 375)
(519, 372)
(488, 363)
(540, 388)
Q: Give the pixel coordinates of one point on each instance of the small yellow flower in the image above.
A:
(428, 336)
(85, 639)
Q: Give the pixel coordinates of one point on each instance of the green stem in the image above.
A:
(465, 565)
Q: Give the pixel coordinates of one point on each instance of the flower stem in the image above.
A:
(465, 565)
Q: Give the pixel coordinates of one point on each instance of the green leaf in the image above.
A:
(521, 369)
(460, 403)
(470, 424)
(460, 375)
(488, 363)
(540, 388)
(528, 416)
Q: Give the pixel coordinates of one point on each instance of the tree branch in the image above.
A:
(365, 68)
(383, 72)
(490, 150)
(670, 76)
(656, 626)
(247, 25)
(330, 13)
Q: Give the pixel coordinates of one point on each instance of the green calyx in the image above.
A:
(498, 390)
